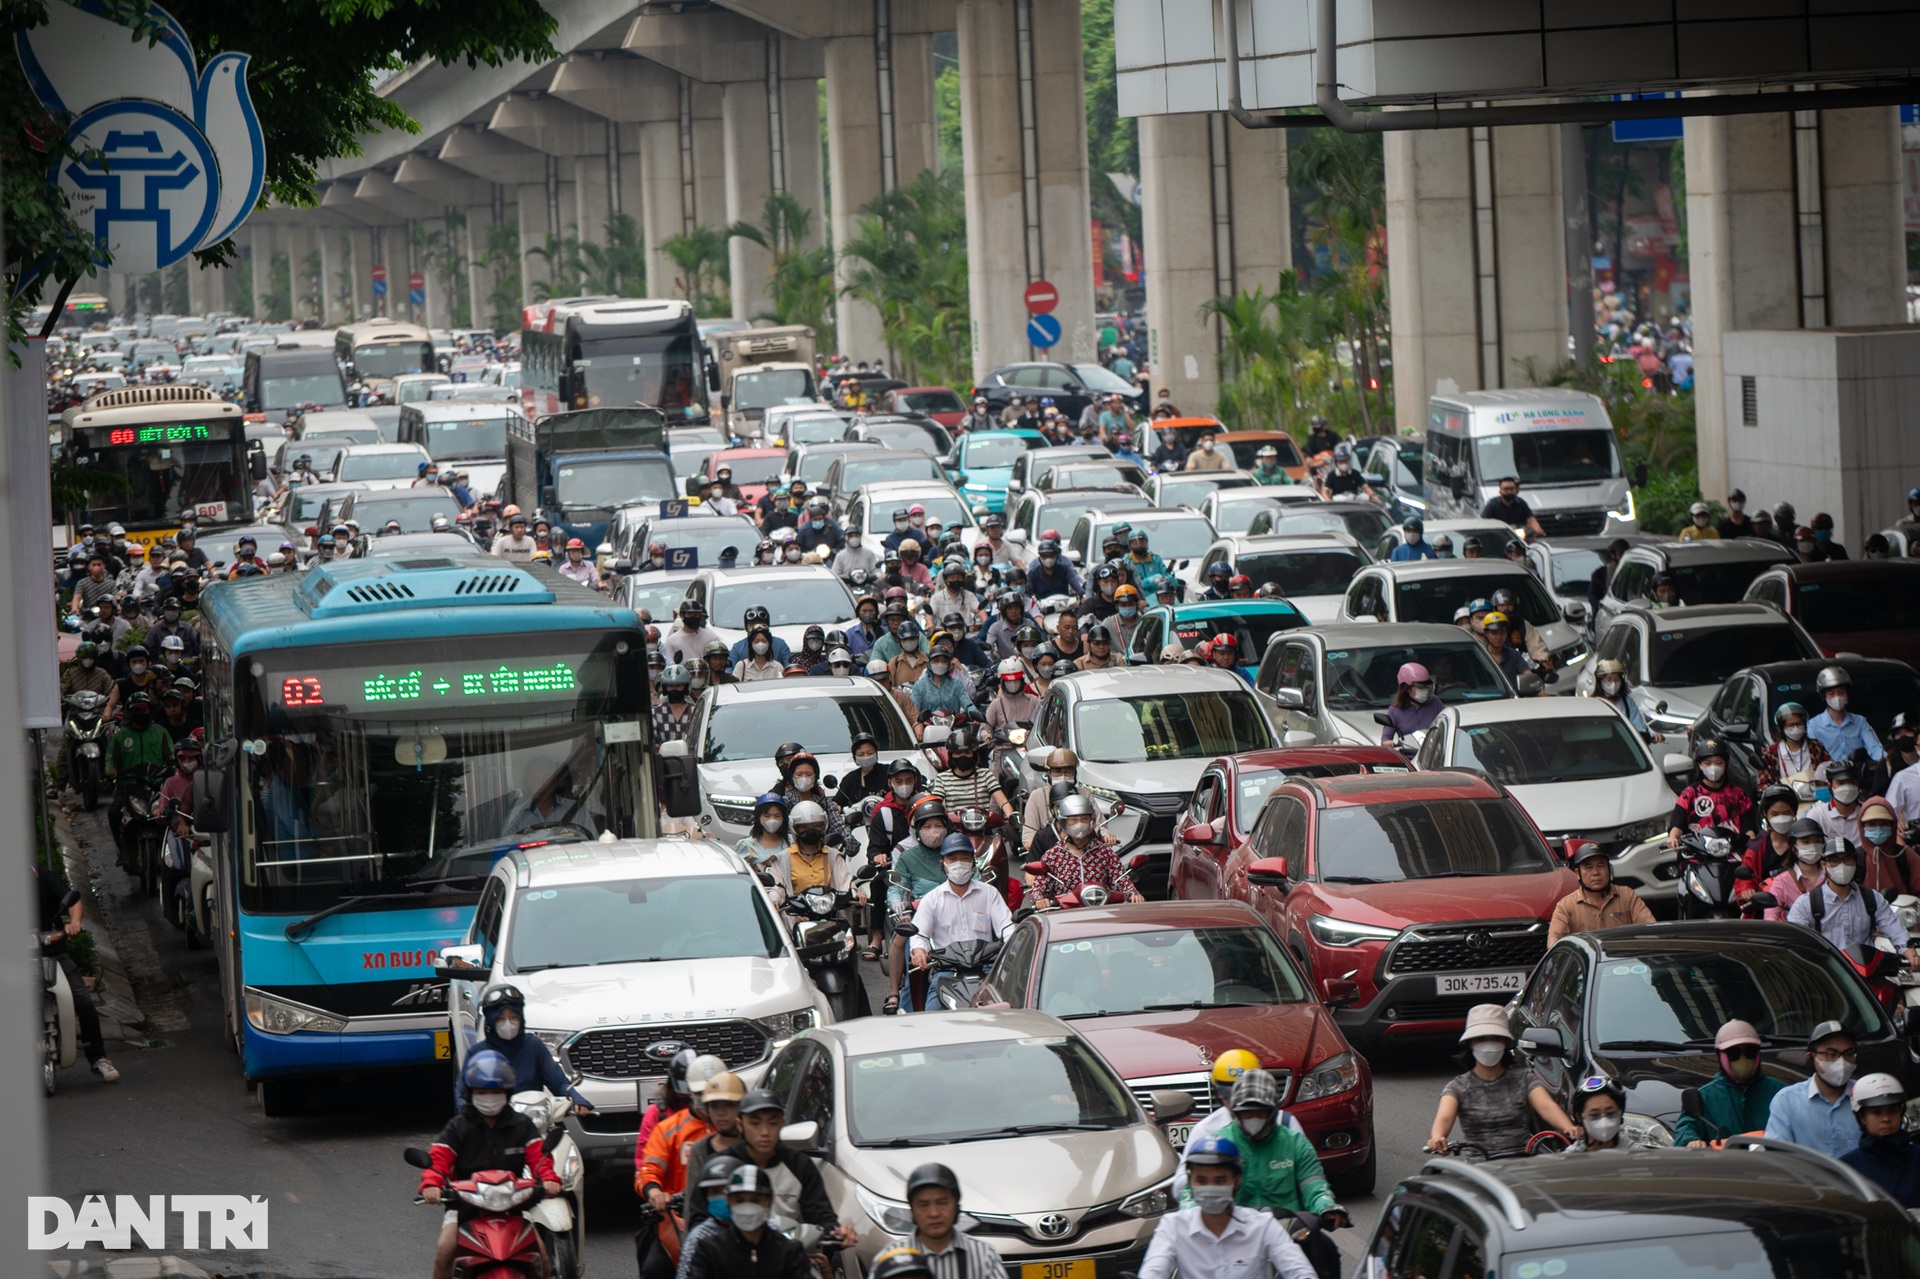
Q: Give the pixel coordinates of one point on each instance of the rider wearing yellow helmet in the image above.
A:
(1227, 1069)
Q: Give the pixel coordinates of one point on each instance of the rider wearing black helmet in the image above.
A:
(758, 616)
(1599, 1107)
(1771, 849)
(1519, 634)
(1051, 573)
(503, 1012)
(1712, 800)
(933, 1197)
(1219, 574)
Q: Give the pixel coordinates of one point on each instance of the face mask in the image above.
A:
(716, 494)
(698, 682)
(138, 718)
(749, 1216)
(1834, 1074)
(1011, 687)
(1713, 772)
(1489, 1052)
(909, 644)
(719, 1209)
(1822, 535)
(1808, 853)
(930, 836)
(1079, 830)
(86, 663)
(1213, 1200)
(490, 1103)
(677, 695)
(1044, 670)
(904, 790)
(865, 763)
(869, 618)
(1878, 834)
(811, 836)
(1128, 611)
(1342, 467)
(1602, 1128)
(1206, 446)
(899, 525)
(793, 555)
(1420, 696)
(1611, 687)
(853, 540)
(1736, 507)
(803, 784)
(1846, 794)
(1699, 521)
(1778, 825)
(1255, 1126)
(1107, 589)
(1796, 732)
(941, 668)
(1028, 650)
(959, 872)
(1805, 548)
(507, 1028)
(771, 825)
(1739, 1069)
(760, 648)
(136, 668)
(1049, 560)
(919, 521)
(1842, 874)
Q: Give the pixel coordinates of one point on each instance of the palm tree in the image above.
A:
(800, 279)
(502, 259)
(439, 252)
(619, 266)
(908, 259)
(701, 256)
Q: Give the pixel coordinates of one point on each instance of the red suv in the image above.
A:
(1410, 897)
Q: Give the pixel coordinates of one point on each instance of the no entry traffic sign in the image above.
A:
(1042, 297)
(417, 289)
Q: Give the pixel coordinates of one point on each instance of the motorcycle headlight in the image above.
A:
(281, 1017)
(1155, 1201)
(1645, 1129)
(890, 1215)
(1697, 888)
(571, 1166)
(787, 1025)
(1334, 1075)
(1339, 932)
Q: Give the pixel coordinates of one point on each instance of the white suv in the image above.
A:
(624, 945)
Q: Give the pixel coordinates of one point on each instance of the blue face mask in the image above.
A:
(1129, 612)
(1822, 535)
(720, 1209)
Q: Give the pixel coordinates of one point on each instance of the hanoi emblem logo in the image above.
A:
(180, 160)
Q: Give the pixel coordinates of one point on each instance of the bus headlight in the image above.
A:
(282, 1017)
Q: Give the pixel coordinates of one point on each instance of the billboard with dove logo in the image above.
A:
(180, 159)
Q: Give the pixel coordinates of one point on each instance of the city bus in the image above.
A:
(82, 311)
(378, 350)
(171, 450)
(379, 732)
(595, 352)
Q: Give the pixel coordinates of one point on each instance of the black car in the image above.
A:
(1071, 387)
(1781, 1212)
(1641, 1005)
(1741, 714)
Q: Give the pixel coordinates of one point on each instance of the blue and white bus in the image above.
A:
(379, 731)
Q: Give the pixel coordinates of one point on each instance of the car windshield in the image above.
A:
(653, 594)
(1365, 679)
(944, 507)
(1435, 599)
(1173, 968)
(1364, 527)
(932, 402)
(1709, 654)
(886, 465)
(1762, 1247)
(1321, 572)
(1865, 604)
(467, 437)
(1193, 489)
(993, 451)
(360, 467)
(278, 393)
(640, 921)
(765, 388)
(802, 600)
(1246, 453)
(413, 390)
(1250, 630)
(1550, 457)
(389, 359)
(414, 508)
(1573, 570)
(748, 468)
(1090, 475)
(1169, 726)
(1254, 785)
(822, 429)
(999, 1088)
(1715, 582)
(906, 435)
(1236, 513)
(1879, 693)
(603, 485)
(1427, 839)
(1550, 751)
(322, 454)
(747, 728)
(1064, 508)
(706, 539)
(813, 464)
(1171, 537)
(1683, 996)
(1096, 378)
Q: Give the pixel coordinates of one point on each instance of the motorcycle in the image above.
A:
(497, 1240)
(142, 829)
(1407, 744)
(85, 736)
(560, 1219)
(956, 969)
(177, 855)
(1007, 763)
(1710, 873)
(59, 1025)
(1087, 895)
(827, 946)
(812, 1238)
(990, 857)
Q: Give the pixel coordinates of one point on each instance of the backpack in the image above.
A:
(1817, 904)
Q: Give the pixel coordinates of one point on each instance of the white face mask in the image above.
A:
(760, 648)
(1808, 854)
(1842, 874)
(490, 1103)
(1079, 830)
(749, 1216)
(1834, 1074)
(1610, 686)
(771, 825)
(1420, 695)
(1602, 1128)
(1213, 1200)
(1713, 772)
(959, 872)
(803, 784)
(1489, 1052)
(1736, 507)
(507, 1028)
(1255, 1126)
(1778, 825)
(904, 790)
(1837, 703)
(1795, 732)
(1846, 794)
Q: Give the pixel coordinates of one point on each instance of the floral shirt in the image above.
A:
(1068, 870)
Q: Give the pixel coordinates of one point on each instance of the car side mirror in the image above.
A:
(461, 963)
(1073, 556)
(679, 782)
(1170, 1104)
(1199, 833)
(1290, 698)
(1296, 737)
(1268, 872)
(623, 568)
(1676, 765)
(1736, 728)
(1340, 992)
(1529, 685)
(212, 788)
(726, 401)
(1544, 1041)
(1639, 475)
(801, 1136)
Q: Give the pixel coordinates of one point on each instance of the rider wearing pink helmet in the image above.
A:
(1414, 706)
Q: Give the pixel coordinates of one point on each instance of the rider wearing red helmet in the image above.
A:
(577, 566)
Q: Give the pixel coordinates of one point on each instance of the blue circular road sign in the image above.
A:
(1043, 331)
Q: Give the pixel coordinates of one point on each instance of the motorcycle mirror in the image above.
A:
(1744, 872)
(1025, 912)
(905, 928)
(1690, 1103)
(1035, 868)
(767, 878)
(1763, 900)
(829, 782)
(1383, 719)
(866, 873)
(417, 1157)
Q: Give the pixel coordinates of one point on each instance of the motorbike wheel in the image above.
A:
(563, 1261)
(149, 863)
(89, 787)
(49, 1069)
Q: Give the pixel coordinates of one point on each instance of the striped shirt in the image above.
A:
(965, 1258)
(959, 792)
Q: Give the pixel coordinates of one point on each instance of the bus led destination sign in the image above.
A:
(374, 688)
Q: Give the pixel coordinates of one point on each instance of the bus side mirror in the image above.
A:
(679, 791)
(213, 789)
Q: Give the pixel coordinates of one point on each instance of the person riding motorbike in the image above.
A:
(1887, 1154)
(1599, 1107)
(809, 862)
(1083, 855)
(1737, 1098)
(1886, 867)
(1840, 730)
(917, 871)
(1771, 850)
(139, 749)
(1610, 686)
(1845, 913)
(1839, 814)
(1227, 1069)
(744, 1246)
(1014, 706)
(1495, 636)
(1414, 706)
(707, 1181)
(1598, 902)
(959, 909)
(769, 834)
(933, 1201)
(792, 1177)
(1807, 1114)
(1282, 1171)
(1218, 1236)
(1803, 873)
(802, 773)
(660, 1166)
(1712, 800)
(1499, 1103)
(672, 1095)
(964, 783)
(485, 1135)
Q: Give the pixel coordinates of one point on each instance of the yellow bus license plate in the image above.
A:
(442, 1045)
(1058, 1270)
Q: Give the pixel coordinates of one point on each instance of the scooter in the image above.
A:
(1407, 744)
(59, 1025)
(561, 1219)
(497, 1239)
(1710, 871)
(177, 854)
(990, 857)
(85, 733)
(141, 830)
(827, 946)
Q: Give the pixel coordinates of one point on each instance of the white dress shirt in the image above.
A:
(948, 914)
(1253, 1246)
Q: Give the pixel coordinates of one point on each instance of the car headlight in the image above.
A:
(1101, 792)
(890, 1215)
(281, 1017)
(556, 1041)
(1339, 932)
(1334, 1075)
(1155, 1201)
(1626, 510)
(1573, 654)
(1640, 832)
(734, 810)
(1645, 1129)
(787, 1025)
(1665, 724)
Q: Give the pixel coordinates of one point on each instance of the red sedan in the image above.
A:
(1409, 898)
(1163, 988)
(941, 403)
(1230, 794)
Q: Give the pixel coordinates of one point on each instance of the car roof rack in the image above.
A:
(1502, 1194)
(1862, 1186)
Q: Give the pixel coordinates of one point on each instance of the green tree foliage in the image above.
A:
(700, 258)
(440, 251)
(576, 266)
(275, 301)
(908, 259)
(501, 259)
(1113, 141)
(243, 289)
(310, 286)
(800, 283)
(343, 279)
(173, 291)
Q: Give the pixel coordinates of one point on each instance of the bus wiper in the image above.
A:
(299, 929)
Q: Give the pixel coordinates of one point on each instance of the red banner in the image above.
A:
(1099, 256)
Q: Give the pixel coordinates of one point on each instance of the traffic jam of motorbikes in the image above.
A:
(898, 831)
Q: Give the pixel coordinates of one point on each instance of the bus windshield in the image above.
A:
(610, 482)
(467, 437)
(763, 389)
(1549, 457)
(291, 392)
(660, 370)
(155, 484)
(389, 359)
(366, 764)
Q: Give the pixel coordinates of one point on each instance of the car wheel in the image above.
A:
(1358, 1184)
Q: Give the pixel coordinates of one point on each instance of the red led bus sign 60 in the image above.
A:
(158, 434)
(383, 688)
